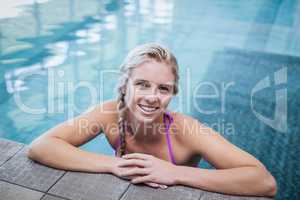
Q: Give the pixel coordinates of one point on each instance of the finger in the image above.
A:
(128, 177)
(136, 171)
(132, 162)
(155, 185)
(163, 186)
(141, 179)
(136, 156)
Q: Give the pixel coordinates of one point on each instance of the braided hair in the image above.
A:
(121, 122)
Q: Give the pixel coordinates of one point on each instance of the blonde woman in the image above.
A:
(153, 146)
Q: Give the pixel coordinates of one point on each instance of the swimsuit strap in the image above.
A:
(170, 121)
(117, 145)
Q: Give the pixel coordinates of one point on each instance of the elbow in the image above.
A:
(268, 186)
(35, 149)
(31, 152)
(271, 186)
(265, 183)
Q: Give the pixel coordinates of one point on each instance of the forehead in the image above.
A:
(153, 71)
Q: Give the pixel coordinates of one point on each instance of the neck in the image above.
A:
(145, 132)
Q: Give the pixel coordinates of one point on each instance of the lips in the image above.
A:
(148, 109)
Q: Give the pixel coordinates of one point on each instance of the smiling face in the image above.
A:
(149, 90)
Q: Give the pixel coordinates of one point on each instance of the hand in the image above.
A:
(119, 171)
(147, 168)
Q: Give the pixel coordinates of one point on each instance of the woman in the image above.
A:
(151, 143)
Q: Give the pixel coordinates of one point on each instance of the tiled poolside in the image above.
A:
(22, 178)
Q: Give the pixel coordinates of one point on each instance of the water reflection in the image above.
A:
(45, 50)
(14, 8)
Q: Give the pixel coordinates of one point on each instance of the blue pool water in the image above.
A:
(239, 68)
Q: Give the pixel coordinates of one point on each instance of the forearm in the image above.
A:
(239, 181)
(59, 154)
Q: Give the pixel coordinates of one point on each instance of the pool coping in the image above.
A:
(23, 178)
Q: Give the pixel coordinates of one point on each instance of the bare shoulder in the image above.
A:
(188, 130)
(95, 119)
(106, 107)
(106, 112)
(84, 127)
(210, 144)
(109, 118)
(186, 124)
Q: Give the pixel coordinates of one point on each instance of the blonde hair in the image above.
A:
(137, 56)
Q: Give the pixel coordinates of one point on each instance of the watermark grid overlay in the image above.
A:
(188, 98)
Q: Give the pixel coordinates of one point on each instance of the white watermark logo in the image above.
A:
(279, 122)
(188, 98)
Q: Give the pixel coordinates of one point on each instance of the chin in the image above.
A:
(146, 118)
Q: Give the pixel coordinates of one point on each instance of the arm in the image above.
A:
(237, 181)
(57, 153)
(58, 146)
(237, 172)
(244, 180)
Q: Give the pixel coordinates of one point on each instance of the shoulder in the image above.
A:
(105, 116)
(186, 124)
(103, 113)
(106, 107)
(189, 131)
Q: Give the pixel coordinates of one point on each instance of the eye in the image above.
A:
(164, 89)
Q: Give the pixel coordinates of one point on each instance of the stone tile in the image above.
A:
(217, 196)
(79, 185)
(175, 193)
(23, 171)
(8, 149)
(14, 192)
(51, 197)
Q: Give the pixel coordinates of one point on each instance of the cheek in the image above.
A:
(165, 100)
(132, 96)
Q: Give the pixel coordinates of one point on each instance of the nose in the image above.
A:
(151, 97)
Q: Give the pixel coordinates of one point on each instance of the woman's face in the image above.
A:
(149, 90)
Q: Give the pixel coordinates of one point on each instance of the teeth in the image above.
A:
(148, 109)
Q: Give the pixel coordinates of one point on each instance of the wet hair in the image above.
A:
(140, 54)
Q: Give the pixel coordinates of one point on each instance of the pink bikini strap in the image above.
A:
(170, 121)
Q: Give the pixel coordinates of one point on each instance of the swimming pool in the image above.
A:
(239, 68)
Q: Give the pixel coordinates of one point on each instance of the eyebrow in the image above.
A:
(140, 80)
